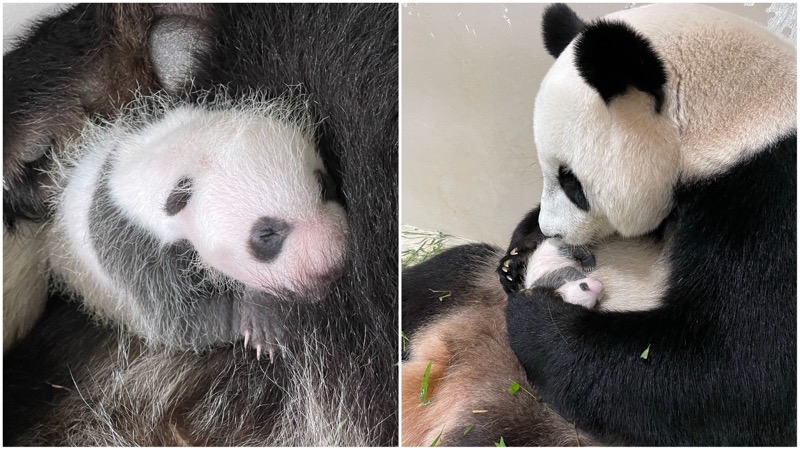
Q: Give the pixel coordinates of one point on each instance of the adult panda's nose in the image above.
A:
(266, 238)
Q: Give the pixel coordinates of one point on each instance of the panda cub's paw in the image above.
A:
(261, 324)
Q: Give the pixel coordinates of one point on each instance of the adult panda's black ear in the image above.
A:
(560, 25)
(611, 57)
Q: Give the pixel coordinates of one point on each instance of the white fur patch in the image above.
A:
(731, 90)
(247, 160)
(584, 292)
(547, 258)
(633, 272)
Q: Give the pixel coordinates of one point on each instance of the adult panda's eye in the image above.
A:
(572, 188)
(179, 196)
(327, 186)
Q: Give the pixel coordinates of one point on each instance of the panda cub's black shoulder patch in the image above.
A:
(612, 56)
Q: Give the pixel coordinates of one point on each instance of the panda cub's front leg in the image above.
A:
(261, 323)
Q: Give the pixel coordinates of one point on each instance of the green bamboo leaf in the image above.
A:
(423, 391)
(436, 441)
(645, 353)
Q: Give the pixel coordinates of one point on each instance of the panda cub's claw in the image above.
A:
(261, 325)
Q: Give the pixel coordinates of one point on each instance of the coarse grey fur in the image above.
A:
(128, 393)
(559, 276)
(172, 294)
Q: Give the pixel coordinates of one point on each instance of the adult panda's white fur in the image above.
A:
(722, 103)
(187, 275)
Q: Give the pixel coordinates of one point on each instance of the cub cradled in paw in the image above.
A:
(563, 267)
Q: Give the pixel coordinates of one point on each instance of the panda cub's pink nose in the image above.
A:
(266, 238)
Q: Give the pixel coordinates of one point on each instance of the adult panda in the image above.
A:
(680, 119)
(690, 359)
(75, 380)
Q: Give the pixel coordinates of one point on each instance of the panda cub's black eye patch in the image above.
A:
(179, 196)
(572, 188)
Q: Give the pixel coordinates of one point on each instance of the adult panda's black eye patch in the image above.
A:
(572, 188)
(179, 196)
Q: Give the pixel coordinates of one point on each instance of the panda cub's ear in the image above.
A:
(611, 57)
(560, 25)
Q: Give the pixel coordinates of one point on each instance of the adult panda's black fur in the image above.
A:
(721, 346)
(340, 387)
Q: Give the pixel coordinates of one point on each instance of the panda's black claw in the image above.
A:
(512, 270)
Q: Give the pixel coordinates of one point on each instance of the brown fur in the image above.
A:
(473, 368)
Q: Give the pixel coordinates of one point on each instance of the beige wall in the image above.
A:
(470, 73)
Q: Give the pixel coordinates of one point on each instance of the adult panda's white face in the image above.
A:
(644, 99)
(608, 160)
(607, 167)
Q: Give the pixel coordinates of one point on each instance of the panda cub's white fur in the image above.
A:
(629, 273)
(552, 265)
(186, 223)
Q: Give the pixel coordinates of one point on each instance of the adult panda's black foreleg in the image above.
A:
(715, 364)
(524, 240)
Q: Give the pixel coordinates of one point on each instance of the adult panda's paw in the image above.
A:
(512, 269)
(261, 325)
(524, 241)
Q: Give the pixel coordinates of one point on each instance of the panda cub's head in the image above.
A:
(562, 267)
(646, 98)
(174, 204)
(247, 189)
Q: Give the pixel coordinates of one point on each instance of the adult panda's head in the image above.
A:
(645, 98)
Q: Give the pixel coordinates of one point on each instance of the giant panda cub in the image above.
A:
(188, 224)
(563, 267)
